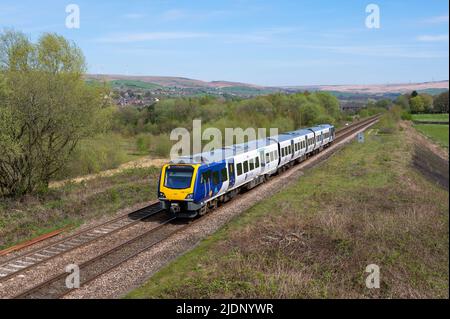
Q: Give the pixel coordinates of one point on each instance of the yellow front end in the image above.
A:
(176, 194)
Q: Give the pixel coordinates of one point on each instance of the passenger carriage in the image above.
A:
(191, 185)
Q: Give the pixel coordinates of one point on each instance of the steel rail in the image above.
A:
(19, 264)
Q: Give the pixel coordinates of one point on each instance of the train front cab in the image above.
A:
(185, 190)
(176, 187)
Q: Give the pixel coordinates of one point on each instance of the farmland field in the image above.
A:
(437, 132)
(430, 117)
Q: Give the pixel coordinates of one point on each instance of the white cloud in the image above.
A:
(150, 36)
(437, 19)
(433, 38)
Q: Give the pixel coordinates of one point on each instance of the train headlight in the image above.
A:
(162, 195)
(190, 196)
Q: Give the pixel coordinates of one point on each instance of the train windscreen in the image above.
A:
(178, 177)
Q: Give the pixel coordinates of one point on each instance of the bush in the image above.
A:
(406, 116)
(94, 155)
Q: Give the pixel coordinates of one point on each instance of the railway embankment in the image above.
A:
(368, 204)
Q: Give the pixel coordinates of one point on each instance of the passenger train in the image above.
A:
(193, 185)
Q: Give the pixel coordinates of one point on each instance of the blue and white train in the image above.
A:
(193, 185)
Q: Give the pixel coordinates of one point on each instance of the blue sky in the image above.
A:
(280, 42)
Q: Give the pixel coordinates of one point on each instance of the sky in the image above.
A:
(279, 43)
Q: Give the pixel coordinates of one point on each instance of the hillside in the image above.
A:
(180, 82)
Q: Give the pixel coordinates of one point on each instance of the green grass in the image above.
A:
(99, 153)
(135, 84)
(71, 205)
(365, 205)
(436, 132)
(430, 117)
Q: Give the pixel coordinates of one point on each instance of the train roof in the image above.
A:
(218, 155)
(221, 154)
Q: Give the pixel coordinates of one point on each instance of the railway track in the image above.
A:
(19, 264)
(55, 287)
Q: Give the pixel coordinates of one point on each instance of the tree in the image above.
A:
(384, 103)
(417, 104)
(427, 102)
(403, 101)
(440, 103)
(330, 103)
(45, 109)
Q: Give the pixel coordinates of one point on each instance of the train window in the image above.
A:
(239, 169)
(289, 150)
(267, 158)
(215, 177)
(224, 175)
(245, 166)
(205, 177)
(271, 156)
(256, 162)
(282, 152)
(252, 164)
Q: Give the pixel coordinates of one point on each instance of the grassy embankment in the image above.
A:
(437, 132)
(73, 204)
(430, 117)
(364, 205)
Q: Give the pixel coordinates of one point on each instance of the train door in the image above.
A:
(262, 160)
(231, 174)
(292, 150)
(206, 181)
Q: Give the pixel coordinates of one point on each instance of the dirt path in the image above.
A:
(140, 163)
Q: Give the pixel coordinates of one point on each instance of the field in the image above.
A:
(430, 117)
(436, 132)
(74, 203)
(365, 205)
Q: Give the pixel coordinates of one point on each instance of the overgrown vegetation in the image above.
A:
(45, 109)
(74, 204)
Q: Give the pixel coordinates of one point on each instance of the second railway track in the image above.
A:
(19, 264)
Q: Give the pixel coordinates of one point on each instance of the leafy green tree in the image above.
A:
(330, 103)
(384, 103)
(440, 103)
(403, 101)
(427, 102)
(417, 104)
(45, 109)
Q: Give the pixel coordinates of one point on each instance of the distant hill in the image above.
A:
(430, 87)
(245, 89)
(169, 81)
